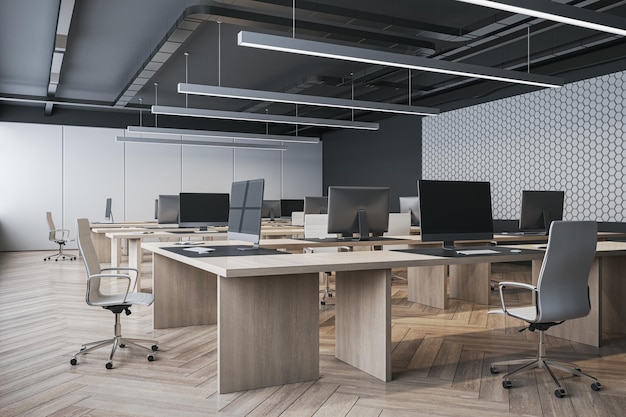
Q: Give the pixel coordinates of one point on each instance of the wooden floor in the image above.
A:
(440, 358)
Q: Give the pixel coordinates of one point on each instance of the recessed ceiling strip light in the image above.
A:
(221, 135)
(246, 94)
(162, 141)
(562, 13)
(256, 117)
(370, 56)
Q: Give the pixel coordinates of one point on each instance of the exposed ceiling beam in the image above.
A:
(64, 19)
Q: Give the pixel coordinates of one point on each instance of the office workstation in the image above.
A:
(112, 113)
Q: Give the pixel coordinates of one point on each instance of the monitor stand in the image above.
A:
(364, 230)
(253, 247)
(448, 248)
(547, 221)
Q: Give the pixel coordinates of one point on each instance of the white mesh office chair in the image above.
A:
(561, 294)
(60, 237)
(399, 225)
(316, 226)
(114, 302)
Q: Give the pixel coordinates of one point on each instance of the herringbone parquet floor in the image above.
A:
(440, 358)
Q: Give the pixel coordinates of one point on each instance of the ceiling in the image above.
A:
(110, 53)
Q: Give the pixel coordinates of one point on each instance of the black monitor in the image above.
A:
(203, 209)
(167, 209)
(289, 206)
(244, 218)
(315, 205)
(270, 209)
(411, 205)
(455, 210)
(362, 210)
(540, 209)
(108, 214)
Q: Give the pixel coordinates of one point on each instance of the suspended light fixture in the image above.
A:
(163, 141)
(221, 135)
(256, 117)
(370, 56)
(557, 12)
(246, 94)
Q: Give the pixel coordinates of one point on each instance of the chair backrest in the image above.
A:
(399, 225)
(297, 218)
(90, 258)
(316, 226)
(562, 289)
(52, 233)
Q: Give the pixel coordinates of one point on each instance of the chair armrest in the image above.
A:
(125, 276)
(521, 285)
(65, 233)
(122, 268)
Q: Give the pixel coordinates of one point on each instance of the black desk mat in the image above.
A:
(449, 254)
(381, 239)
(223, 251)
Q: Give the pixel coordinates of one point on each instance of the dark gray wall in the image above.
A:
(389, 157)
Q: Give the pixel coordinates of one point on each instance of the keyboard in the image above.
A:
(477, 252)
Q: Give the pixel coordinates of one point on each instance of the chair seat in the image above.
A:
(528, 314)
(138, 298)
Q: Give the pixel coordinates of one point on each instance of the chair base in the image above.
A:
(60, 255)
(542, 362)
(326, 291)
(117, 341)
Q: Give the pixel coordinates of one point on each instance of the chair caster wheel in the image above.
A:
(150, 358)
(507, 384)
(73, 361)
(154, 348)
(122, 345)
(330, 295)
(323, 303)
(494, 370)
(596, 386)
(559, 393)
(109, 365)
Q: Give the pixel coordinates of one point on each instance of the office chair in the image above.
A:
(60, 237)
(316, 226)
(561, 294)
(114, 302)
(399, 225)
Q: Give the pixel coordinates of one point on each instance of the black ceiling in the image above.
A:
(117, 49)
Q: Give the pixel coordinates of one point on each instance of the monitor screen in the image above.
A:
(289, 206)
(455, 210)
(411, 205)
(270, 209)
(244, 218)
(540, 209)
(203, 209)
(167, 209)
(362, 210)
(108, 214)
(315, 205)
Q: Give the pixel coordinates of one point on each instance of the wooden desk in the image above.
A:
(267, 307)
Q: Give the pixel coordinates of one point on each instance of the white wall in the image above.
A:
(71, 170)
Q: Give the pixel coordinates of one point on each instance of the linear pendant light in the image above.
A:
(562, 13)
(163, 141)
(257, 117)
(220, 135)
(246, 94)
(370, 56)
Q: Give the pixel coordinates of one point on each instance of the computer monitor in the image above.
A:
(540, 209)
(203, 210)
(108, 214)
(270, 209)
(315, 205)
(244, 218)
(167, 208)
(455, 210)
(362, 210)
(411, 205)
(289, 206)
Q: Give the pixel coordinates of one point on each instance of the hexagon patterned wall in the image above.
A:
(570, 139)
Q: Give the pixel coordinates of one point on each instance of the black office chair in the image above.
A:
(114, 302)
(561, 294)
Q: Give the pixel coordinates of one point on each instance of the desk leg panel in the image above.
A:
(428, 285)
(471, 282)
(268, 331)
(135, 258)
(183, 295)
(586, 329)
(613, 269)
(363, 321)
